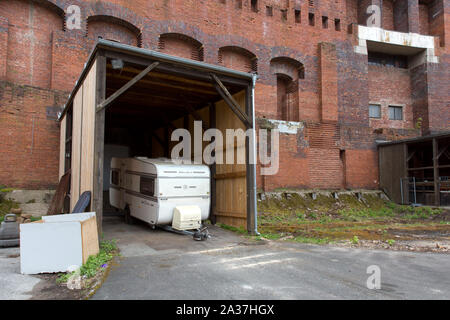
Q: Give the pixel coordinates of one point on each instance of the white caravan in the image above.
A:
(161, 192)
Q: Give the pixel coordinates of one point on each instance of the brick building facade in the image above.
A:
(343, 85)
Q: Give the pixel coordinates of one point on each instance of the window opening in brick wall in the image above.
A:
(375, 111)
(269, 11)
(254, 5)
(284, 14)
(384, 59)
(287, 98)
(311, 19)
(298, 17)
(337, 24)
(324, 22)
(395, 113)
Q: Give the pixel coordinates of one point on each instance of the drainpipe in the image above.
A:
(255, 204)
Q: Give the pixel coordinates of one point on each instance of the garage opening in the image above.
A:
(417, 171)
(129, 101)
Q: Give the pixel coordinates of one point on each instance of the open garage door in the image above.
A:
(136, 98)
(231, 179)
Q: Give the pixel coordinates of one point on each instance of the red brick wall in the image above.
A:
(39, 54)
(29, 141)
(391, 86)
(3, 44)
(423, 19)
(237, 59)
(387, 14)
(361, 169)
(29, 49)
(325, 168)
(111, 31)
(67, 68)
(328, 82)
(439, 95)
(180, 45)
(293, 170)
(352, 11)
(437, 24)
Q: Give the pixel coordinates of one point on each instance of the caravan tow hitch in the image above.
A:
(201, 234)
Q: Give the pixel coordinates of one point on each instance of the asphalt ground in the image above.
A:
(157, 264)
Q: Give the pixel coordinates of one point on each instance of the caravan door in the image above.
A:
(116, 189)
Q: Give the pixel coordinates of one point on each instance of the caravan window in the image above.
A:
(115, 177)
(148, 186)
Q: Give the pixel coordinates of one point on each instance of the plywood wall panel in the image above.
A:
(88, 131)
(76, 147)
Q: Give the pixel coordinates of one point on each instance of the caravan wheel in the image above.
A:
(128, 218)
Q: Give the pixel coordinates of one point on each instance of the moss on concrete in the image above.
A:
(321, 220)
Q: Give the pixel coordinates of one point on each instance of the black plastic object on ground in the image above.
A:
(9, 232)
(82, 203)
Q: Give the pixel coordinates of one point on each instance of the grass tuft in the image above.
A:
(108, 250)
(239, 230)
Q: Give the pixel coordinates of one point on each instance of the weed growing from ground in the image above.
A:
(108, 249)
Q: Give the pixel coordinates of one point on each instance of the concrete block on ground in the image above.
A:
(35, 209)
(31, 196)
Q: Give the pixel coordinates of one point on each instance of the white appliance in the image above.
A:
(154, 189)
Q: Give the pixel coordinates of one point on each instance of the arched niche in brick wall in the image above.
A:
(238, 58)
(287, 66)
(287, 73)
(29, 42)
(181, 45)
(113, 28)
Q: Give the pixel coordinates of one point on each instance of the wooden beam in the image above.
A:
(159, 96)
(411, 155)
(158, 139)
(168, 123)
(250, 168)
(447, 154)
(127, 86)
(225, 94)
(177, 70)
(97, 192)
(437, 187)
(196, 116)
(441, 152)
(230, 175)
(167, 144)
(405, 185)
(213, 169)
(169, 77)
(167, 84)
